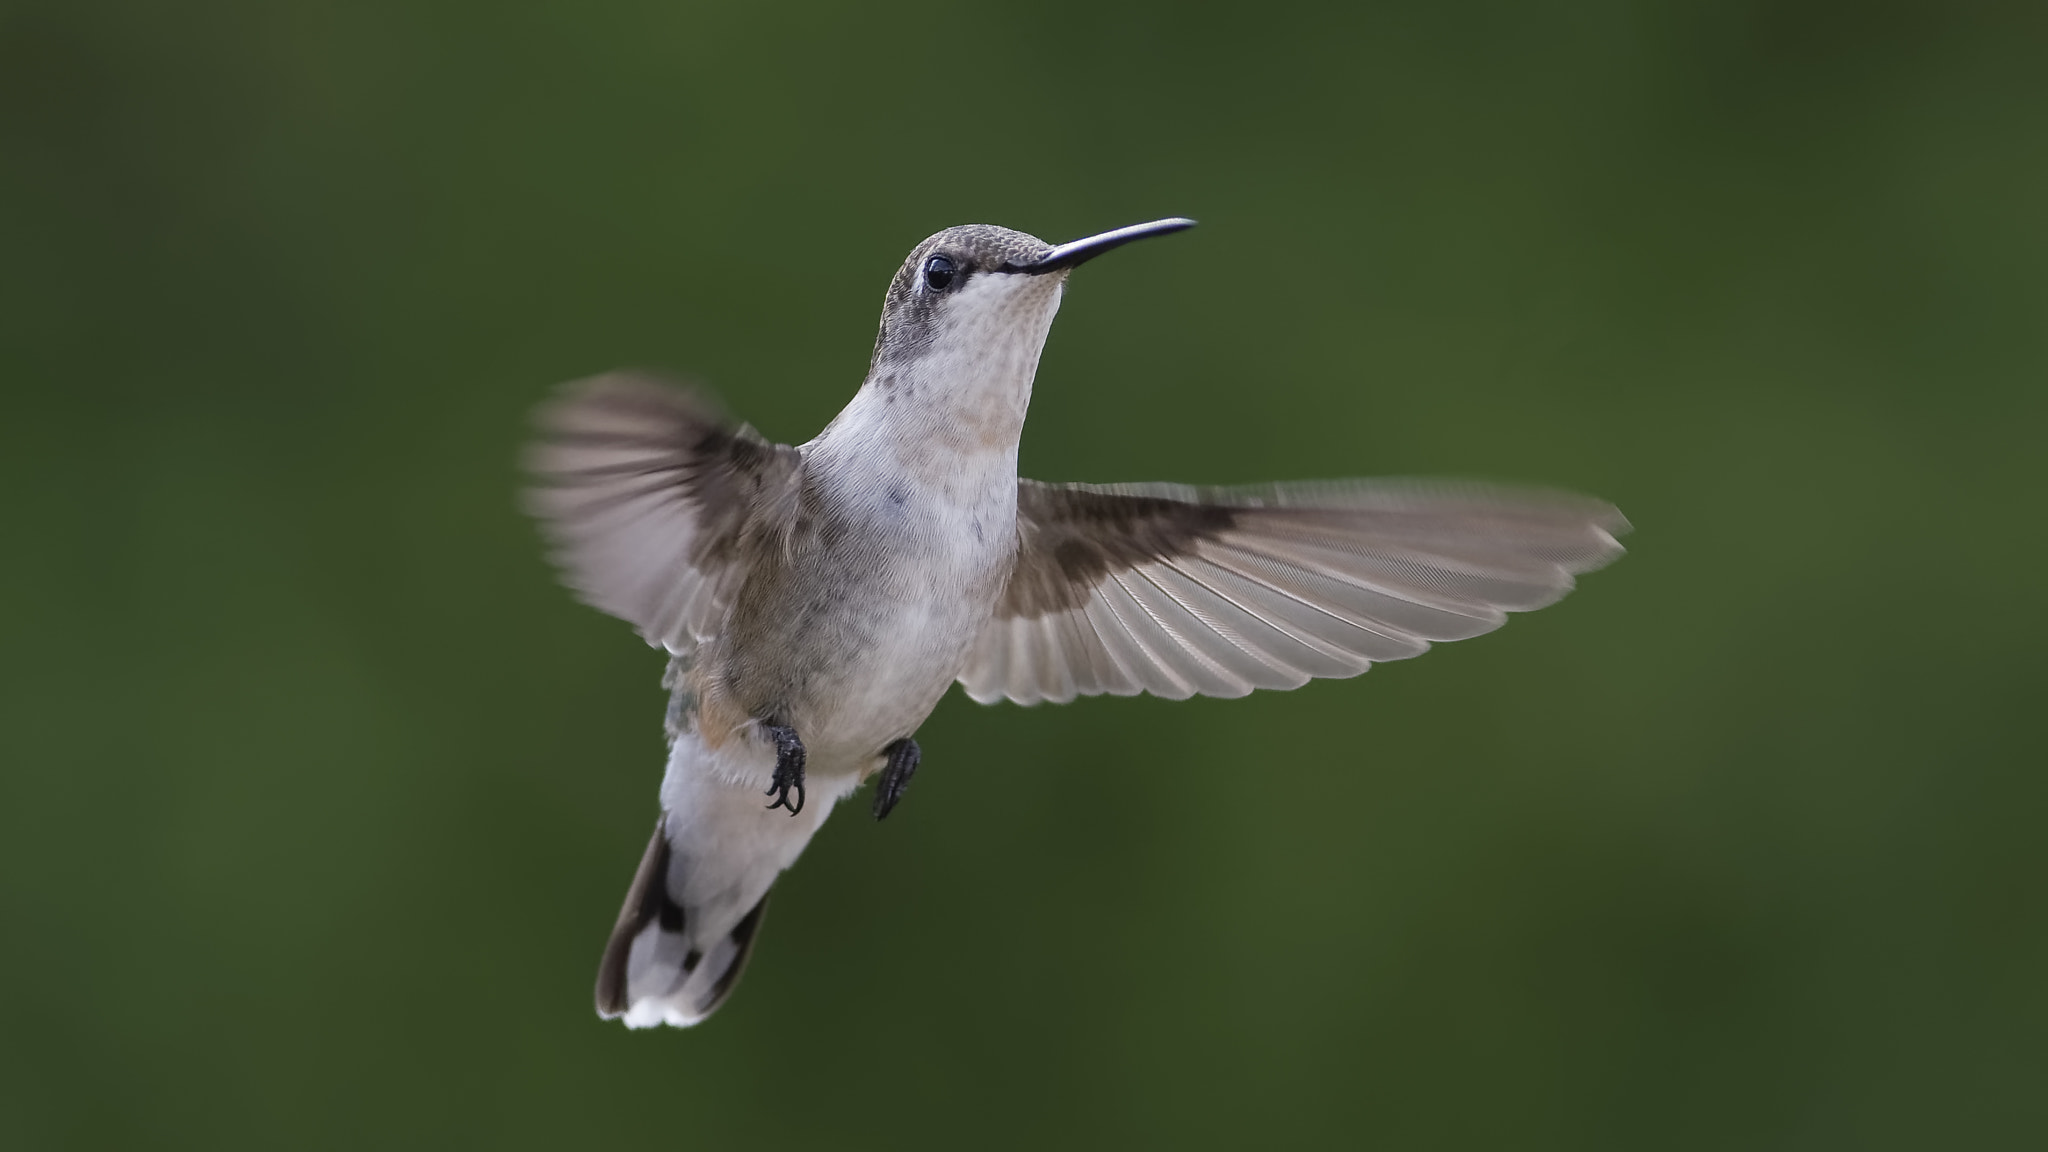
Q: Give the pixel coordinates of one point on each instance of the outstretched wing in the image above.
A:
(648, 497)
(1176, 591)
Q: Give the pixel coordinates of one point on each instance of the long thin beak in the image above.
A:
(1068, 255)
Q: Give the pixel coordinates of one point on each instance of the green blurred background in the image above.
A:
(319, 795)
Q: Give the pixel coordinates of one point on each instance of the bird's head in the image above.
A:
(973, 304)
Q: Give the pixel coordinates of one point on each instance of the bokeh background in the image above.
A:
(319, 795)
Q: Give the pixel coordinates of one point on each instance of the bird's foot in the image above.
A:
(789, 767)
(903, 757)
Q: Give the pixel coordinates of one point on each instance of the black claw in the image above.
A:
(789, 768)
(903, 757)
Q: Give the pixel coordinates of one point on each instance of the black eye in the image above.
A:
(938, 273)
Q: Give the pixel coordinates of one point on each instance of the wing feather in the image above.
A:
(1177, 639)
(1247, 642)
(1176, 591)
(649, 498)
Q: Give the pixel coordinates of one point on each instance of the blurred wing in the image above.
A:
(647, 496)
(1176, 591)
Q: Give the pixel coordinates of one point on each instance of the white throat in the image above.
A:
(953, 393)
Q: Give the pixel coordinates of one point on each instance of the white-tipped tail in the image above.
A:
(655, 969)
(689, 921)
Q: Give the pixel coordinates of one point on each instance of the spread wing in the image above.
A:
(648, 496)
(1176, 591)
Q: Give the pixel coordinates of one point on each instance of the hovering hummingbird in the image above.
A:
(817, 601)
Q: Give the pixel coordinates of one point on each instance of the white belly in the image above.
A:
(898, 553)
(855, 636)
(894, 683)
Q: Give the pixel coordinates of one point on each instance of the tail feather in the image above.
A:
(690, 919)
(646, 902)
(656, 970)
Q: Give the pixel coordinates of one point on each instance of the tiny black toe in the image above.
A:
(789, 768)
(903, 756)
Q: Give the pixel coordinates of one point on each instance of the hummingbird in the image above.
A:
(816, 602)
